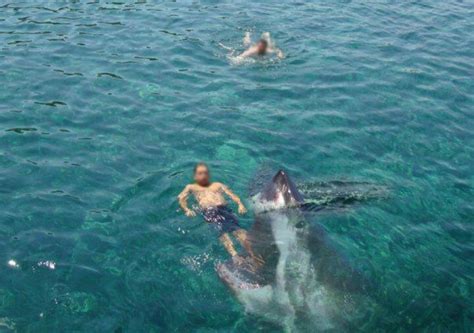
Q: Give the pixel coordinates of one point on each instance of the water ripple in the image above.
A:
(107, 106)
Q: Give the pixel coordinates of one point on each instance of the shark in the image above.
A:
(304, 282)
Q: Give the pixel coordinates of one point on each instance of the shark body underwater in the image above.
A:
(304, 283)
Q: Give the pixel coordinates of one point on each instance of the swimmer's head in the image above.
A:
(201, 174)
(262, 46)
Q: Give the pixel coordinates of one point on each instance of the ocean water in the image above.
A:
(106, 106)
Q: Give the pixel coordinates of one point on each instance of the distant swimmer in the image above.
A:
(213, 206)
(264, 46)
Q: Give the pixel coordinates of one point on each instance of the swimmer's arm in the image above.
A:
(249, 53)
(226, 47)
(235, 198)
(247, 39)
(278, 52)
(183, 201)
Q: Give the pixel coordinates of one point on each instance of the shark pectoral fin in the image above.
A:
(309, 206)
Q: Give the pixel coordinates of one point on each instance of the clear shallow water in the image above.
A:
(106, 107)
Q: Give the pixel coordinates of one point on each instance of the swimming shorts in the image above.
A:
(221, 218)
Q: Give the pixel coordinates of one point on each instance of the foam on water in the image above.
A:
(282, 300)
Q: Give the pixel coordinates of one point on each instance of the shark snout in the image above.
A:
(280, 177)
(281, 191)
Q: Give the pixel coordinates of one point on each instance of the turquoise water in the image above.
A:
(105, 107)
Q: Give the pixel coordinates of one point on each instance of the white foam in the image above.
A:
(12, 263)
(261, 205)
(48, 264)
(295, 285)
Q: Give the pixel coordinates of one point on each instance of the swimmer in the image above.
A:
(263, 47)
(213, 206)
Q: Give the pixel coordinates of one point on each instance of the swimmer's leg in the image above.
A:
(229, 246)
(241, 236)
(247, 39)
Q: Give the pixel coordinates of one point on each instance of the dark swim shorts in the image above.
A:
(221, 218)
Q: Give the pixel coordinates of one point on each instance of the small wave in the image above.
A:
(88, 25)
(21, 130)
(115, 76)
(46, 22)
(19, 42)
(146, 58)
(113, 23)
(68, 74)
(24, 32)
(47, 9)
(52, 103)
(170, 33)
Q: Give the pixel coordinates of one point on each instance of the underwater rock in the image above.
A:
(155, 92)
(101, 222)
(7, 325)
(79, 302)
(7, 299)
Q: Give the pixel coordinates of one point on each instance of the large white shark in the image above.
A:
(304, 282)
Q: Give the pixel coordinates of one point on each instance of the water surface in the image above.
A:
(106, 106)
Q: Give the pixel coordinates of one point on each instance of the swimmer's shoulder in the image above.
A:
(217, 185)
(192, 187)
(250, 52)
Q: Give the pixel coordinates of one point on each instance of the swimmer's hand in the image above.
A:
(279, 54)
(190, 213)
(242, 209)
